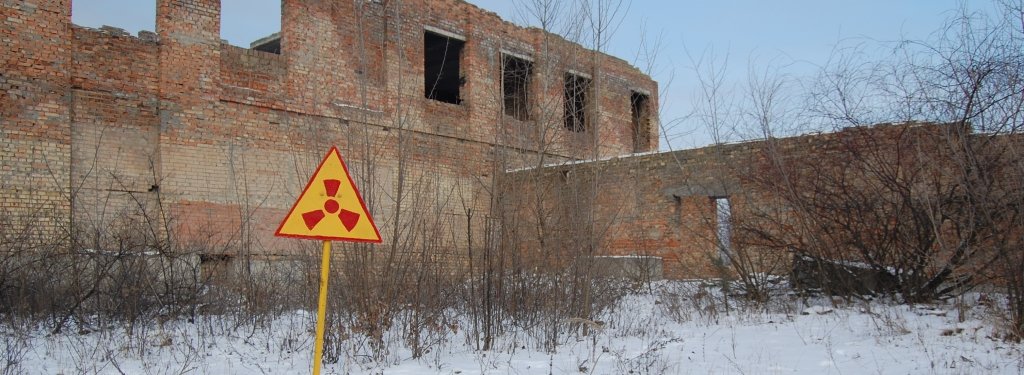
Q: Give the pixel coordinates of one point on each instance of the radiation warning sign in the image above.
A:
(330, 208)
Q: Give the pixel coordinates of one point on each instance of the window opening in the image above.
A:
(253, 24)
(131, 16)
(640, 111)
(576, 92)
(515, 81)
(723, 228)
(442, 79)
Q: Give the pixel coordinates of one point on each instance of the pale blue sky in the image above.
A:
(796, 35)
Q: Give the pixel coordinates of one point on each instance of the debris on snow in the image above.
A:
(816, 310)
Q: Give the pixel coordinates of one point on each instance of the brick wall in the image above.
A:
(224, 138)
(219, 140)
(651, 205)
(114, 126)
(663, 204)
(35, 138)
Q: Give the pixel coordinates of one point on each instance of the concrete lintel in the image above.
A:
(698, 190)
(580, 74)
(516, 55)
(265, 40)
(444, 32)
(641, 91)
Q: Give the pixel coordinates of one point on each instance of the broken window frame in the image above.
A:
(443, 84)
(515, 85)
(576, 89)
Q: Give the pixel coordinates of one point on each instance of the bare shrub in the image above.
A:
(936, 203)
(13, 348)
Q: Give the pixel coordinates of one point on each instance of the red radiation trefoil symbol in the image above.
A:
(348, 218)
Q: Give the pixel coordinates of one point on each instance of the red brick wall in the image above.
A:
(35, 136)
(252, 77)
(115, 125)
(654, 205)
(662, 204)
(226, 137)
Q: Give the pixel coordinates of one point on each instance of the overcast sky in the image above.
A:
(797, 35)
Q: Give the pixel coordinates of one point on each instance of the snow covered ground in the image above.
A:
(671, 328)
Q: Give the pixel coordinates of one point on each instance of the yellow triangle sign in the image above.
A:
(330, 207)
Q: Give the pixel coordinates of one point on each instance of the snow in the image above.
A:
(817, 310)
(667, 328)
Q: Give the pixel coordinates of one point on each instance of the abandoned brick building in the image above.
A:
(429, 101)
(466, 135)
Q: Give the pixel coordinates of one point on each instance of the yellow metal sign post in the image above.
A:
(321, 309)
(329, 208)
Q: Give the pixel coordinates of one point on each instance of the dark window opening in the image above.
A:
(576, 92)
(723, 228)
(442, 80)
(515, 83)
(640, 111)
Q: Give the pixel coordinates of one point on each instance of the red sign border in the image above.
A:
(359, 196)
